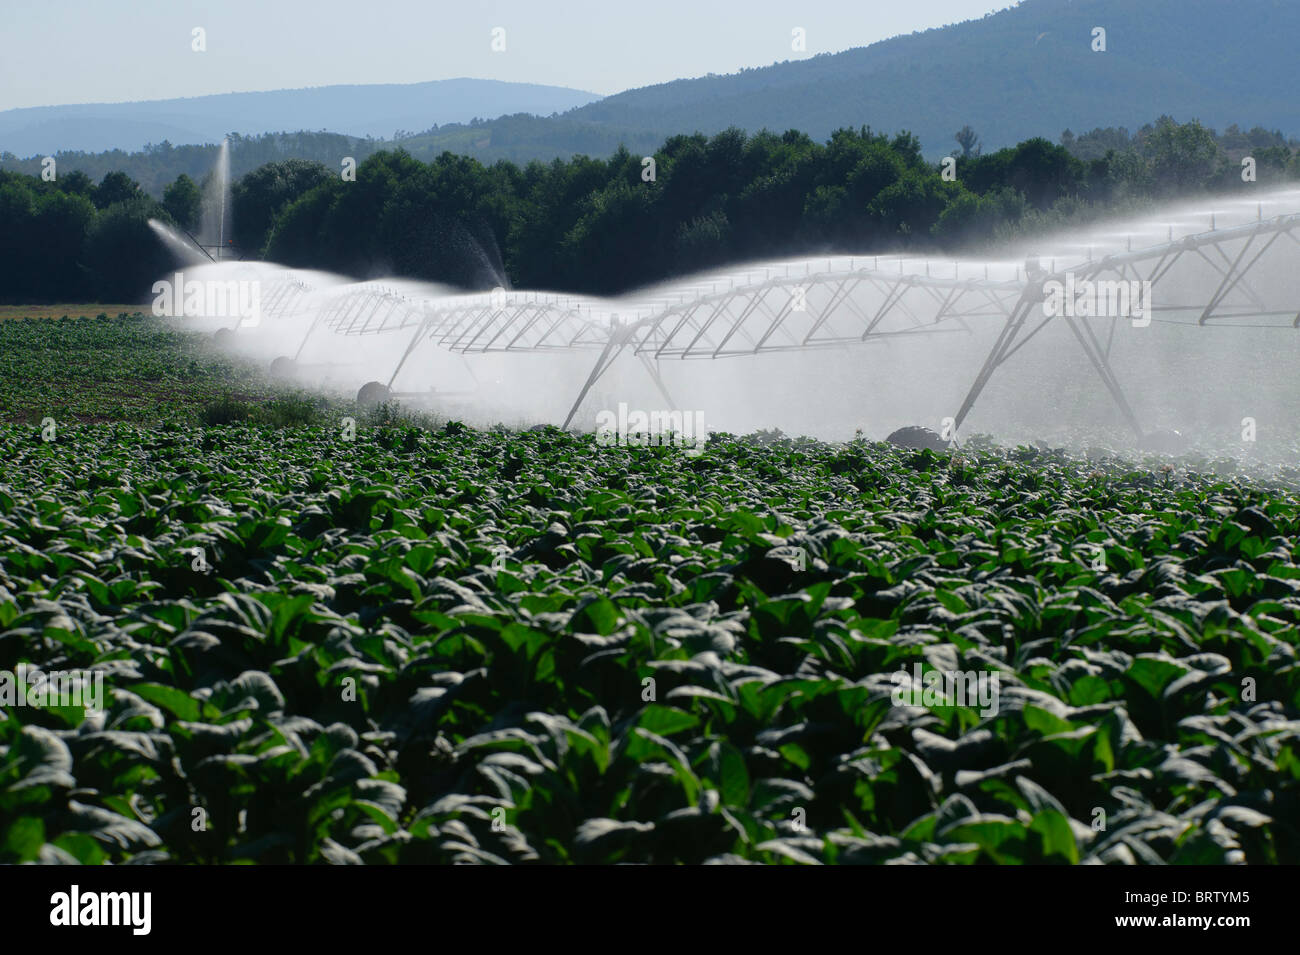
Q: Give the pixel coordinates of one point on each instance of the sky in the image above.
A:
(104, 51)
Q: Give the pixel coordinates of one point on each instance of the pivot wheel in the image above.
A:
(917, 437)
(283, 367)
(373, 393)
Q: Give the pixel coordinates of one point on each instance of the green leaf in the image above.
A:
(666, 720)
(1058, 838)
(175, 701)
(732, 774)
(23, 839)
(796, 754)
(82, 847)
(599, 616)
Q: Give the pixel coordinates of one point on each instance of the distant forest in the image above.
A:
(604, 226)
(516, 139)
(158, 165)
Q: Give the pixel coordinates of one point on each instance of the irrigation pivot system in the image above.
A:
(1242, 274)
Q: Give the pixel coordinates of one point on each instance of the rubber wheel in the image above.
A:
(373, 393)
(283, 367)
(1164, 442)
(917, 437)
(224, 336)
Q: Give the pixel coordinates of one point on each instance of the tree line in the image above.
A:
(605, 226)
(158, 164)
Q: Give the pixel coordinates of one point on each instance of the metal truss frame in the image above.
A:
(777, 308)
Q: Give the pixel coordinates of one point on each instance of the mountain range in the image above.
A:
(1027, 71)
(379, 110)
(1031, 70)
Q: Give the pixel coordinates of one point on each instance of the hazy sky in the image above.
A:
(83, 51)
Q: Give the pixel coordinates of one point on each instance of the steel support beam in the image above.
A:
(613, 348)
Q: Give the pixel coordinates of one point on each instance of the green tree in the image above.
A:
(58, 232)
(116, 187)
(77, 183)
(969, 141)
(17, 251)
(1042, 171)
(183, 201)
(257, 198)
(122, 254)
(1183, 157)
(972, 218)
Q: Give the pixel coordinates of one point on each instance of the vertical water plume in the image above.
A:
(214, 231)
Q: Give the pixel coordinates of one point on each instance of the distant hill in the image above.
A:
(376, 110)
(1023, 72)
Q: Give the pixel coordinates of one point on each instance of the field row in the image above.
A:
(488, 646)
